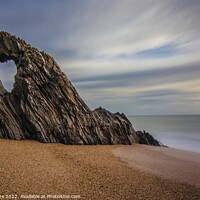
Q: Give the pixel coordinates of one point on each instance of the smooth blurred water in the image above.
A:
(177, 131)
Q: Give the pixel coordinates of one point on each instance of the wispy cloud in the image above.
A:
(145, 77)
(116, 48)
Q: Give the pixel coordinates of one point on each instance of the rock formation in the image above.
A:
(43, 104)
(2, 89)
(145, 138)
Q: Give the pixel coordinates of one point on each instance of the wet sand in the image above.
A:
(170, 163)
(93, 172)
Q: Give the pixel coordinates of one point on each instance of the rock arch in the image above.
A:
(45, 106)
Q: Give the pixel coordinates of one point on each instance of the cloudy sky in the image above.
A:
(133, 56)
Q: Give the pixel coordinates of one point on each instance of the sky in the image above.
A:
(132, 56)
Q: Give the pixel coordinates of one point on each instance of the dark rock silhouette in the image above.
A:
(145, 138)
(43, 104)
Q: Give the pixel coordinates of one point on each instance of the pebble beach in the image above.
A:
(84, 172)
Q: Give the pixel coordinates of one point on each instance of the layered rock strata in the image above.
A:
(43, 104)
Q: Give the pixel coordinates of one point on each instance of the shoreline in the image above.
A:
(170, 163)
(93, 172)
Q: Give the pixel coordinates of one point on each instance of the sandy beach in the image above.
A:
(97, 172)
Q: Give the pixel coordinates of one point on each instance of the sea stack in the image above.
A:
(43, 104)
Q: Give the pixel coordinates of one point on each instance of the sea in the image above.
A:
(176, 131)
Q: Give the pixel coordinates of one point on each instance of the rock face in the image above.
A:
(43, 104)
(2, 89)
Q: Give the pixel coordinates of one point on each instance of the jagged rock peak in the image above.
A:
(43, 104)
